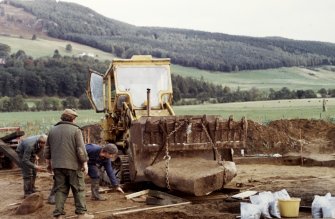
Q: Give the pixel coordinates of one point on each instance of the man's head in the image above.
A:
(69, 115)
(42, 140)
(109, 151)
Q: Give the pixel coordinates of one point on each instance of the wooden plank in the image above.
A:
(11, 136)
(14, 204)
(162, 195)
(117, 209)
(141, 199)
(104, 211)
(161, 198)
(150, 208)
(10, 153)
(244, 194)
(136, 194)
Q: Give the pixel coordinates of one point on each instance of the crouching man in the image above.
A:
(27, 151)
(101, 157)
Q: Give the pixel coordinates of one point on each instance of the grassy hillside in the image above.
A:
(46, 47)
(293, 78)
(203, 50)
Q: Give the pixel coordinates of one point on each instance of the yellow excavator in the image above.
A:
(188, 153)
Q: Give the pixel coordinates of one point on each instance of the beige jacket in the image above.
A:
(65, 146)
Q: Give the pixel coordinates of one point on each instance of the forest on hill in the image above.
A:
(203, 50)
(65, 77)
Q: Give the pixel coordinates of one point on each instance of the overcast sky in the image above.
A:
(294, 19)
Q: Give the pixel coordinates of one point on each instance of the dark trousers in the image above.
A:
(64, 180)
(27, 171)
(93, 171)
(29, 176)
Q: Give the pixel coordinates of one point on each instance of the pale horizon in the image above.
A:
(294, 19)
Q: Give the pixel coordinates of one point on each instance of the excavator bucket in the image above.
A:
(194, 151)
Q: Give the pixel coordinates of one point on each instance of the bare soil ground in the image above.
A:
(286, 137)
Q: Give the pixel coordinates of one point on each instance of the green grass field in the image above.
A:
(41, 122)
(264, 111)
(261, 111)
(46, 47)
(293, 78)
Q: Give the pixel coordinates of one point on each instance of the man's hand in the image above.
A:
(119, 189)
(85, 168)
(39, 168)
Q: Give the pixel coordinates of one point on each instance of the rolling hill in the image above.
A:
(198, 49)
(22, 23)
(291, 77)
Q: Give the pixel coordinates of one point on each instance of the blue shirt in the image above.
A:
(95, 159)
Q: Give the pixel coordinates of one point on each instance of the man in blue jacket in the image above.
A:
(98, 157)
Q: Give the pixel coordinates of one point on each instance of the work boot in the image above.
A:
(52, 195)
(52, 199)
(95, 191)
(34, 189)
(59, 217)
(27, 187)
(85, 216)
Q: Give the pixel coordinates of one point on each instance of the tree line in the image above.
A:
(18, 103)
(203, 50)
(60, 82)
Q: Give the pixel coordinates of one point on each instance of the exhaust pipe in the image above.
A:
(148, 101)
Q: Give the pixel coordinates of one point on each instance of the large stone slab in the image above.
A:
(192, 175)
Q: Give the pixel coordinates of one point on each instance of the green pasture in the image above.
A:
(40, 122)
(265, 111)
(260, 111)
(46, 47)
(294, 78)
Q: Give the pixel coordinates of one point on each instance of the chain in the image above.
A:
(218, 156)
(167, 157)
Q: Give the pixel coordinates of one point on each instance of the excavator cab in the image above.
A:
(131, 88)
(131, 79)
(135, 96)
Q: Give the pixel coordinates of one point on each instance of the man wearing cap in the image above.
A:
(101, 157)
(66, 156)
(27, 151)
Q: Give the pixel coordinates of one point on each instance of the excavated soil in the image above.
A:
(311, 173)
(283, 136)
(279, 136)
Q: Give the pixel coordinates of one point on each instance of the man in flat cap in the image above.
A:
(101, 157)
(66, 156)
(27, 151)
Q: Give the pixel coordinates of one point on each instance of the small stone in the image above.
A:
(30, 204)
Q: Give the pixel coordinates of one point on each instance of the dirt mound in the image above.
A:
(282, 136)
(279, 136)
